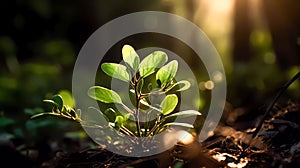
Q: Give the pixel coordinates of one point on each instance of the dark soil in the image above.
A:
(277, 145)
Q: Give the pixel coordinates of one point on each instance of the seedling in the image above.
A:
(138, 75)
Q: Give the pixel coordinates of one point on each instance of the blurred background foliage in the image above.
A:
(258, 41)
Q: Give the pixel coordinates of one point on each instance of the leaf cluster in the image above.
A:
(135, 72)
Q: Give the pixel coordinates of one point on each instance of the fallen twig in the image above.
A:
(279, 94)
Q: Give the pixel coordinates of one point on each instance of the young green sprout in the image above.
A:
(136, 72)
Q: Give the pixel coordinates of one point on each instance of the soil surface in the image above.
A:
(276, 145)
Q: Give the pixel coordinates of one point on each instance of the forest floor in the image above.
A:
(276, 145)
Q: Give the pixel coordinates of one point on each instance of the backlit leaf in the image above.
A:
(180, 86)
(67, 98)
(128, 116)
(183, 114)
(52, 103)
(152, 62)
(119, 122)
(104, 95)
(116, 71)
(144, 103)
(130, 57)
(168, 104)
(179, 124)
(167, 72)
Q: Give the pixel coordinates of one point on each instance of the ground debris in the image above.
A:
(277, 145)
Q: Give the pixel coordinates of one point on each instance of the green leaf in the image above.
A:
(168, 104)
(4, 122)
(180, 86)
(152, 62)
(183, 114)
(51, 102)
(119, 122)
(179, 164)
(144, 103)
(6, 136)
(130, 57)
(73, 114)
(104, 95)
(75, 135)
(167, 72)
(110, 113)
(179, 124)
(33, 111)
(116, 71)
(59, 101)
(67, 98)
(128, 116)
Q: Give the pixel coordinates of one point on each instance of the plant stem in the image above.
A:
(157, 123)
(126, 131)
(127, 109)
(137, 112)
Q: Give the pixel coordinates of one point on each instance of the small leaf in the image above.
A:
(119, 122)
(180, 115)
(180, 86)
(73, 114)
(34, 111)
(183, 114)
(67, 98)
(110, 113)
(76, 135)
(179, 165)
(116, 71)
(132, 91)
(104, 95)
(51, 102)
(168, 104)
(152, 62)
(128, 116)
(59, 101)
(179, 124)
(130, 57)
(4, 122)
(167, 72)
(145, 103)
